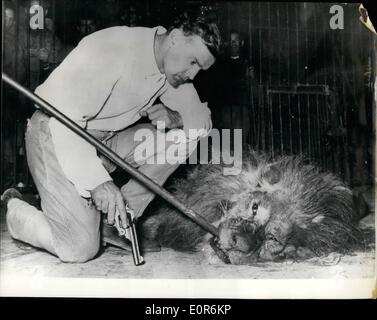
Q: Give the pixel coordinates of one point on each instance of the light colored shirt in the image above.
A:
(103, 84)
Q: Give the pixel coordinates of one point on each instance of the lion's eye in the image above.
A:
(254, 209)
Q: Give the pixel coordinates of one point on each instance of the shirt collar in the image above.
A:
(152, 68)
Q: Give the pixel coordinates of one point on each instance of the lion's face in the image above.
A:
(253, 229)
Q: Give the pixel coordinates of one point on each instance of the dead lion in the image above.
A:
(274, 209)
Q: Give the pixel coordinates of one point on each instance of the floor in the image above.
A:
(18, 259)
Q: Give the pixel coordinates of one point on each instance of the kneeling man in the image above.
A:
(106, 84)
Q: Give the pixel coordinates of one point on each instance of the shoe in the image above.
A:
(9, 194)
(110, 236)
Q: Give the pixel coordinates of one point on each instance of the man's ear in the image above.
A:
(175, 35)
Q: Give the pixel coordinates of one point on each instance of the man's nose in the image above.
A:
(193, 72)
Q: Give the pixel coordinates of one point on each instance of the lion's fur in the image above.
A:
(317, 204)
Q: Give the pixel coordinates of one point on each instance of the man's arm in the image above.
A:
(194, 113)
(159, 112)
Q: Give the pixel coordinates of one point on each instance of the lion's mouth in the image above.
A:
(233, 255)
(245, 241)
(241, 240)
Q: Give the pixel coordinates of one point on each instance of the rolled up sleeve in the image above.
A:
(195, 114)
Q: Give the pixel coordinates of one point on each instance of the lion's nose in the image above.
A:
(232, 238)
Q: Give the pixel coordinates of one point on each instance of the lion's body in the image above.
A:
(298, 206)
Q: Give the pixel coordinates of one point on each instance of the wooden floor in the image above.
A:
(18, 259)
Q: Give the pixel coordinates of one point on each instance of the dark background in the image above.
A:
(308, 89)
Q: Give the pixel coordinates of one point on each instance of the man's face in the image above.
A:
(9, 18)
(185, 57)
(235, 44)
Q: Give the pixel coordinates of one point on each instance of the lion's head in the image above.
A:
(256, 226)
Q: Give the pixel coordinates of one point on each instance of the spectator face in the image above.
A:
(49, 24)
(34, 3)
(44, 4)
(235, 44)
(185, 57)
(9, 18)
(86, 26)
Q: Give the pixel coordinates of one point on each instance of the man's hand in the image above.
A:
(108, 198)
(160, 112)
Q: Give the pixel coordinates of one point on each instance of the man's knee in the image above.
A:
(80, 251)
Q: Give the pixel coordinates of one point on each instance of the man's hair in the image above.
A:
(207, 31)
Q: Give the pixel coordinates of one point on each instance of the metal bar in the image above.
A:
(250, 99)
(334, 45)
(263, 113)
(2, 122)
(290, 124)
(318, 142)
(269, 39)
(15, 147)
(345, 106)
(308, 124)
(353, 84)
(270, 101)
(295, 92)
(299, 124)
(279, 80)
(250, 92)
(278, 42)
(261, 141)
(306, 81)
(289, 80)
(322, 147)
(53, 31)
(298, 76)
(281, 127)
(65, 22)
(28, 69)
(17, 40)
(327, 82)
(113, 156)
(264, 28)
(269, 98)
(260, 45)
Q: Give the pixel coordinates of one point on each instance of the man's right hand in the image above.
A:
(108, 198)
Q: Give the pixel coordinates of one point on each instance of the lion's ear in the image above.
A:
(272, 175)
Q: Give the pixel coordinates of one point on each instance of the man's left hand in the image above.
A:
(160, 112)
